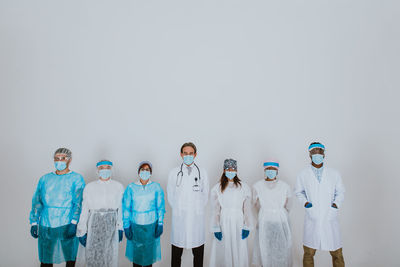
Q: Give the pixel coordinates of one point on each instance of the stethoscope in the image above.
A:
(181, 174)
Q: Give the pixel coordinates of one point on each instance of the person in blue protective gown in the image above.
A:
(143, 208)
(56, 207)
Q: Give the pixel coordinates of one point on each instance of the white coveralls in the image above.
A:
(273, 242)
(101, 218)
(231, 214)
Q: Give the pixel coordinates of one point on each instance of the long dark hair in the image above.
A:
(225, 181)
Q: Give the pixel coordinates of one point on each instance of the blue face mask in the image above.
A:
(188, 159)
(144, 175)
(105, 173)
(317, 159)
(271, 174)
(60, 165)
(230, 175)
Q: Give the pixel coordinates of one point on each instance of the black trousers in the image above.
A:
(136, 265)
(198, 255)
(67, 264)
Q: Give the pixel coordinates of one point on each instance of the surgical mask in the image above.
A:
(144, 175)
(317, 159)
(271, 174)
(105, 173)
(230, 175)
(188, 159)
(60, 165)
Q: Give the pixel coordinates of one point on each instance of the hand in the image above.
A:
(245, 233)
(218, 235)
(128, 233)
(159, 230)
(83, 239)
(308, 205)
(334, 206)
(71, 230)
(34, 231)
(120, 235)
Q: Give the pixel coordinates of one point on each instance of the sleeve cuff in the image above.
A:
(246, 228)
(80, 233)
(216, 229)
(34, 223)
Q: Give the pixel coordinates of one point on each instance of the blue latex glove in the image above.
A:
(82, 240)
(218, 235)
(309, 205)
(245, 233)
(34, 231)
(71, 230)
(120, 235)
(128, 233)
(159, 230)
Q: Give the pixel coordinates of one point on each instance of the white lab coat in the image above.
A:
(187, 206)
(100, 195)
(321, 226)
(231, 215)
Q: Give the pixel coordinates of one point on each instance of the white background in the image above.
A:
(133, 80)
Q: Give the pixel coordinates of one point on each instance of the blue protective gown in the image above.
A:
(56, 203)
(143, 208)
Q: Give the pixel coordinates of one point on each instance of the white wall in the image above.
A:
(133, 80)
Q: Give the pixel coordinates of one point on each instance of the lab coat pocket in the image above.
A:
(311, 213)
(332, 214)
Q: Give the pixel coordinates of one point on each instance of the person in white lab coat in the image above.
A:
(232, 219)
(273, 242)
(100, 225)
(187, 193)
(321, 191)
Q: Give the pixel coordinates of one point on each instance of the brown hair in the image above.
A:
(189, 144)
(225, 181)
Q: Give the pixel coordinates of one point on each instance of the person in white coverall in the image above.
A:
(321, 191)
(231, 219)
(273, 242)
(100, 226)
(187, 193)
